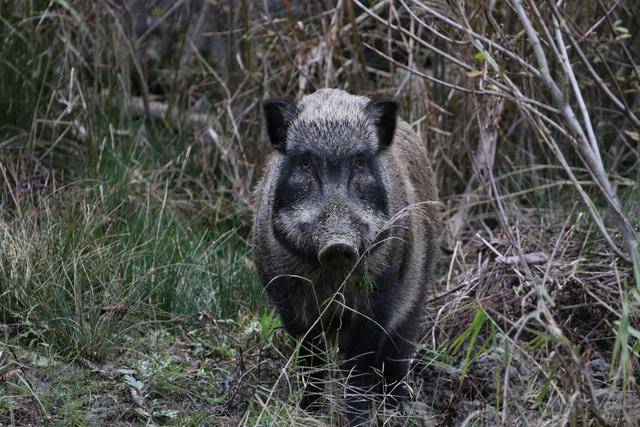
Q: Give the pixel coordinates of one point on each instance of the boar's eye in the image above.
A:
(359, 163)
(306, 162)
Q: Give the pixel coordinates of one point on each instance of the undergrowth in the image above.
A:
(127, 158)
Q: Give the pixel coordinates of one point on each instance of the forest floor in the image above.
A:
(224, 373)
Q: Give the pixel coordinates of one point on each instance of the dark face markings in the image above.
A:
(330, 181)
(367, 184)
(307, 181)
(296, 187)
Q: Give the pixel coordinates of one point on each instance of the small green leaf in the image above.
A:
(476, 326)
(367, 283)
(138, 385)
(167, 413)
(269, 322)
(217, 400)
(481, 56)
(44, 362)
(223, 352)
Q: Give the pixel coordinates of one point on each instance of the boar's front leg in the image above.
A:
(287, 294)
(396, 360)
(312, 357)
(360, 356)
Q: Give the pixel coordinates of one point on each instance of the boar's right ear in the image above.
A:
(279, 113)
(383, 111)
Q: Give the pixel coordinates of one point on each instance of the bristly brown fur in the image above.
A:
(314, 302)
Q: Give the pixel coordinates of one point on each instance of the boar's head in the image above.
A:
(332, 193)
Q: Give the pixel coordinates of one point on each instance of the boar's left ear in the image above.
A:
(384, 111)
(279, 113)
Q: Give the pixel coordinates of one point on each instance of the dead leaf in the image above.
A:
(532, 258)
(633, 135)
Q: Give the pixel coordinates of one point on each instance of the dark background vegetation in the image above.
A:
(131, 137)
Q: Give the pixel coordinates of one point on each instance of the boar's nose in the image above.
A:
(338, 255)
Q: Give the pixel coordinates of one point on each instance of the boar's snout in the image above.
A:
(337, 237)
(338, 254)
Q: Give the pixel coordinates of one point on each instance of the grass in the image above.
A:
(111, 248)
(127, 289)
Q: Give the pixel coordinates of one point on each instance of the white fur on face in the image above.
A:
(374, 220)
(293, 218)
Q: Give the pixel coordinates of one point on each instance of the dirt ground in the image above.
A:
(223, 373)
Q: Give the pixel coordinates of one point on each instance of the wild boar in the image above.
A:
(343, 237)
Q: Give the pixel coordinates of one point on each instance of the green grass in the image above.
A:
(113, 251)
